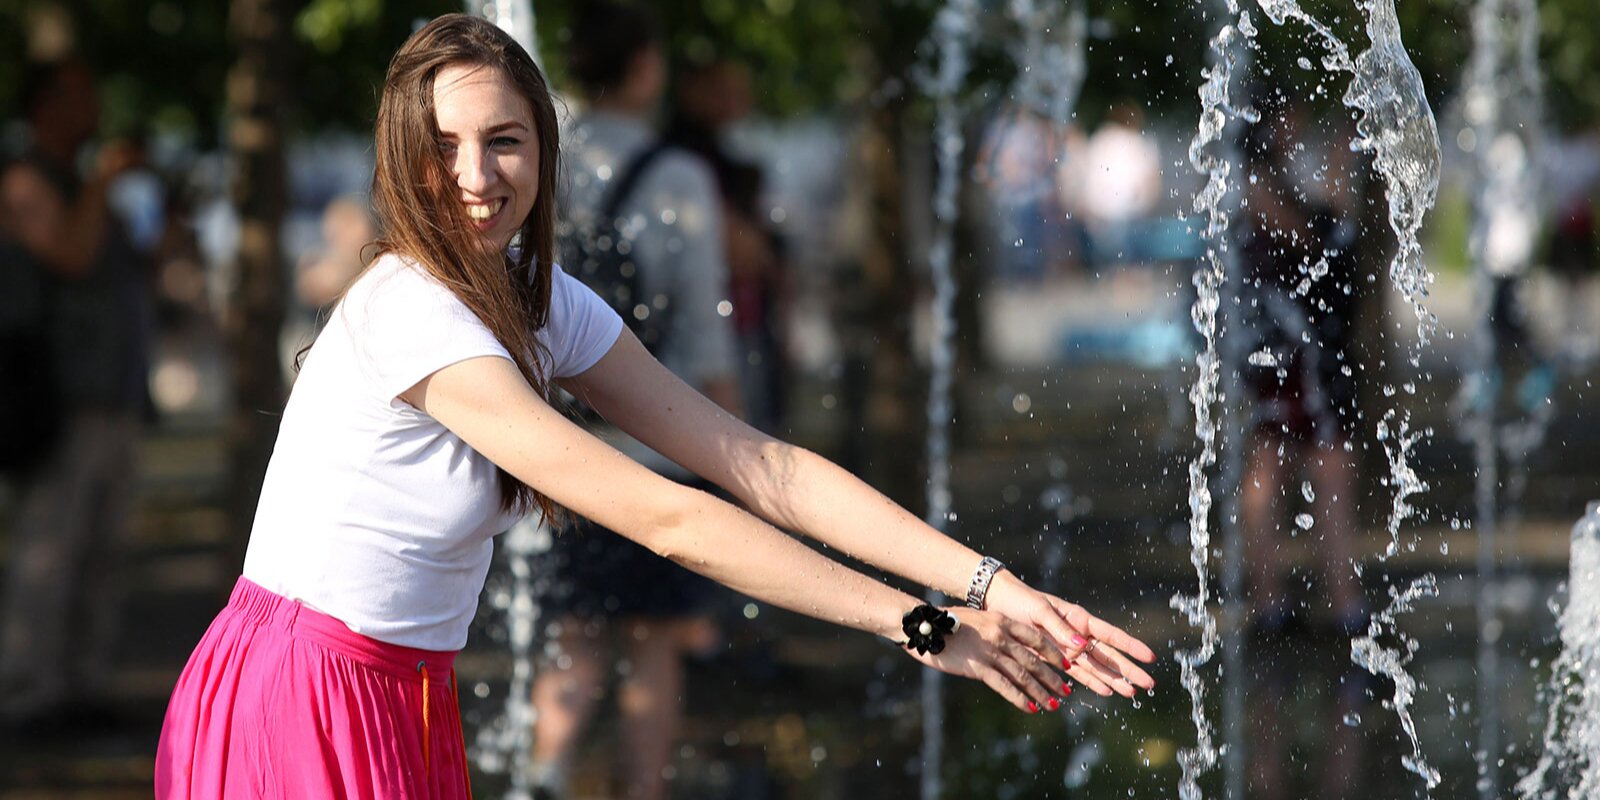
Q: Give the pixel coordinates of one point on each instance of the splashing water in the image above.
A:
(1390, 662)
(954, 27)
(1398, 439)
(1216, 109)
(1569, 766)
(1397, 127)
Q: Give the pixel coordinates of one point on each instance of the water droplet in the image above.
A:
(1263, 358)
(1307, 492)
(1305, 521)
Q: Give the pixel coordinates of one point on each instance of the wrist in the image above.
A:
(887, 624)
(1005, 588)
(983, 577)
(925, 629)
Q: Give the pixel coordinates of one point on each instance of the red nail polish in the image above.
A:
(1054, 704)
(1066, 663)
(1079, 641)
(1033, 708)
(1066, 689)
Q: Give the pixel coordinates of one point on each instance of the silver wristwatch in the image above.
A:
(978, 590)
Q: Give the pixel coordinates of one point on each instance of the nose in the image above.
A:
(474, 170)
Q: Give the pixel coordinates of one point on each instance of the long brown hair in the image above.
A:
(419, 211)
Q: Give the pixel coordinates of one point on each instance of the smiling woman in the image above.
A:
(419, 428)
(486, 135)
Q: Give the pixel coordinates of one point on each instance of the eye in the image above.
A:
(504, 141)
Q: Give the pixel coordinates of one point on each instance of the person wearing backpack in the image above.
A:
(663, 268)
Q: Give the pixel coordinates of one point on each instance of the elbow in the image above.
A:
(671, 531)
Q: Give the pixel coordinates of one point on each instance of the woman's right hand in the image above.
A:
(1007, 656)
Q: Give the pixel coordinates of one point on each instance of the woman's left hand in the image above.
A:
(1099, 655)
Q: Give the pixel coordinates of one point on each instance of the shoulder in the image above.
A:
(395, 273)
(397, 285)
(678, 167)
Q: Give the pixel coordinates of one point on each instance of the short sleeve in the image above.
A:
(405, 326)
(582, 327)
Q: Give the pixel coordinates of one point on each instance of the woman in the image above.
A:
(419, 428)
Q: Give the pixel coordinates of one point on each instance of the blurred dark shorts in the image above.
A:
(591, 572)
(1310, 404)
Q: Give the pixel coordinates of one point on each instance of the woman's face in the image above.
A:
(490, 146)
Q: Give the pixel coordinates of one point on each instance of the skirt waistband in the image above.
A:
(263, 607)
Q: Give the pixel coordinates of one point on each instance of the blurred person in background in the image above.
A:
(1029, 164)
(59, 628)
(323, 275)
(619, 608)
(1119, 184)
(325, 272)
(1573, 176)
(1301, 294)
(711, 98)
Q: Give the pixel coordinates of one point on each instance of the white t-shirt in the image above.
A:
(372, 511)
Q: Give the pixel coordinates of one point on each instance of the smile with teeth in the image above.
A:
(481, 212)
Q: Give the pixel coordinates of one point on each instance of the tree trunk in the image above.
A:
(259, 91)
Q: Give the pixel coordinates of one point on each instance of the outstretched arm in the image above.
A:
(801, 491)
(487, 403)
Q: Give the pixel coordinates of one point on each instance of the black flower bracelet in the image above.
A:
(925, 628)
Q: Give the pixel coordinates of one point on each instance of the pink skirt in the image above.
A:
(280, 701)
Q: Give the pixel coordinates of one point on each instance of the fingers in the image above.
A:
(993, 678)
(1028, 679)
(1082, 670)
(1111, 661)
(1102, 631)
(1106, 645)
(1034, 676)
(1014, 668)
(1035, 640)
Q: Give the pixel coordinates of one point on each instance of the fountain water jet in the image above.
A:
(512, 16)
(1502, 109)
(505, 744)
(1569, 766)
(953, 30)
(1396, 125)
(1210, 276)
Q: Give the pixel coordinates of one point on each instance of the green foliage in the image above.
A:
(804, 56)
(164, 62)
(323, 23)
(1570, 53)
(346, 49)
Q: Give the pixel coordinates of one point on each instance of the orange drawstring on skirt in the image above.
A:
(427, 726)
